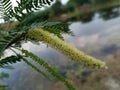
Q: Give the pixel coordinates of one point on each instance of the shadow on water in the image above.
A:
(105, 13)
(99, 38)
(109, 13)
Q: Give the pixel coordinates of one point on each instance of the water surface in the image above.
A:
(99, 37)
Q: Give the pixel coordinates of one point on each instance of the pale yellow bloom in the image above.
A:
(65, 48)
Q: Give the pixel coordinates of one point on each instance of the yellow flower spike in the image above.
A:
(65, 48)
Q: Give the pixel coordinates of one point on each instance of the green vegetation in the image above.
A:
(77, 9)
(37, 30)
(3, 87)
(3, 75)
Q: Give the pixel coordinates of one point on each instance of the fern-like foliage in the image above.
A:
(48, 67)
(5, 42)
(24, 8)
(9, 38)
(9, 60)
(14, 59)
(5, 9)
(34, 67)
(28, 27)
(57, 28)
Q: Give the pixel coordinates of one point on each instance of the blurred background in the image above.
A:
(95, 27)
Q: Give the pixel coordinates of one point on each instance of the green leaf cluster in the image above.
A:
(38, 31)
(48, 67)
(9, 60)
(24, 8)
(5, 9)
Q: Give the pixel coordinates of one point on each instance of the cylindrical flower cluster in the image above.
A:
(65, 48)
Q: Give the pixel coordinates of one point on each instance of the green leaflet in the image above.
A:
(57, 28)
(34, 67)
(5, 8)
(3, 87)
(70, 51)
(7, 60)
(48, 67)
(7, 40)
(8, 11)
